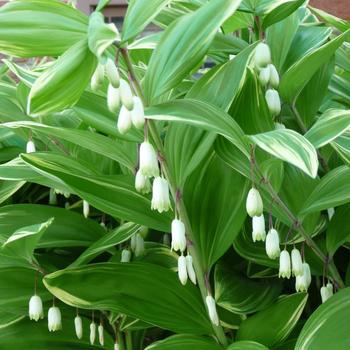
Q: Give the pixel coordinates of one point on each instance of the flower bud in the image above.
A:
(126, 256)
(178, 235)
(30, 148)
(190, 270)
(166, 240)
(160, 195)
(140, 245)
(112, 73)
(124, 120)
(138, 113)
(113, 98)
(297, 263)
(101, 337)
(54, 319)
(52, 197)
(273, 244)
(182, 269)
(326, 292)
(133, 243)
(126, 95)
(36, 308)
(259, 232)
(274, 76)
(279, 126)
(273, 102)
(116, 346)
(97, 78)
(254, 203)
(211, 305)
(148, 160)
(262, 55)
(142, 183)
(307, 273)
(92, 333)
(86, 209)
(303, 281)
(78, 324)
(264, 76)
(285, 270)
(330, 212)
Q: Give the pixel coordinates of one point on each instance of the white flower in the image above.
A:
(273, 102)
(259, 232)
(124, 120)
(112, 73)
(264, 76)
(139, 245)
(86, 209)
(307, 273)
(178, 235)
(92, 333)
(326, 292)
(116, 346)
(138, 113)
(133, 243)
(182, 269)
(285, 265)
(160, 195)
(274, 76)
(126, 95)
(262, 55)
(54, 319)
(190, 270)
(148, 160)
(297, 263)
(30, 148)
(273, 244)
(97, 78)
(279, 126)
(330, 212)
(52, 197)
(78, 324)
(101, 335)
(211, 305)
(303, 281)
(142, 183)
(113, 98)
(36, 308)
(254, 203)
(126, 256)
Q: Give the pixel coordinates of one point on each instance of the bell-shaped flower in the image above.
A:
(116, 346)
(254, 203)
(139, 245)
(326, 292)
(279, 126)
(264, 76)
(148, 160)
(259, 233)
(273, 102)
(113, 98)
(285, 265)
(182, 269)
(274, 76)
(160, 195)
(30, 148)
(297, 262)
(92, 332)
(126, 95)
(101, 337)
(86, 208)
(112, 73)
(97, 78)
(126, 256)
(78, 324)
(262, 55)
(54, 319)
(303, 281)
(273, 244)
(142, 183)
(36, 311)
(178, 235)
(307, 273)
(138, 113)
(190, 270)
(124, 120)
(211, 306)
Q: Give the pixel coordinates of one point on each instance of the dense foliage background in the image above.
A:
(224, 113)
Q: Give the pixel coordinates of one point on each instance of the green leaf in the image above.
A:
(291, 147)
(162, 294)
(62, 84)
(203, 115)
(8, 188)
(39, 28)
(333, 123)
(185, 342)
(341, 24)
(239, 294)
(139, 14)
(333, 190)
(183, 45)
(327, 326)
(246, 345)
(273, 325)
(215, 198)
(300, 73)
(281, 11)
